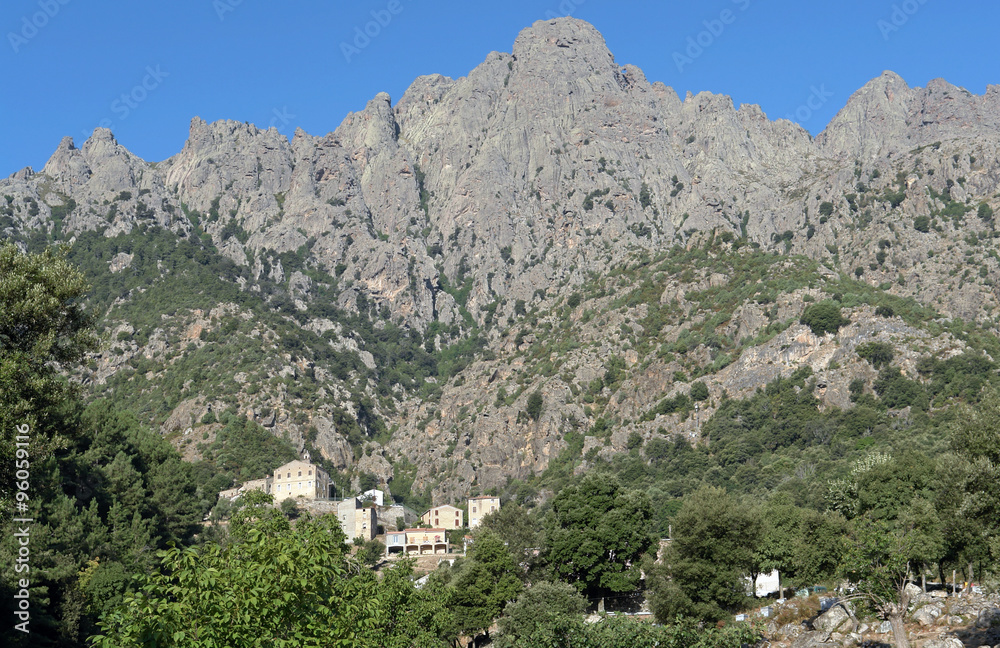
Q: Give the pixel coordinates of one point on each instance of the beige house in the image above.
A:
(446, 516)
(356, 520)
(480, 507)
(300, 479)
(426, 541)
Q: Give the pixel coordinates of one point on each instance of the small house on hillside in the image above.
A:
(426, 541)
(480, 507)
(446, 516)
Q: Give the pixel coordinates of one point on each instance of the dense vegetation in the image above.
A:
(779, 481)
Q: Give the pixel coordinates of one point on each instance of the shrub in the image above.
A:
(985, 212)
(823, 317)
(699, 391)
(535, 405)
(826, 209)
(922, 224)
(877, 354)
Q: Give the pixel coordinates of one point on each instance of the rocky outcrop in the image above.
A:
(472, 201)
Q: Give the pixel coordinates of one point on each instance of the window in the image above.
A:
(310, 473)
(300, 473)
(473, 509)
(279, 486)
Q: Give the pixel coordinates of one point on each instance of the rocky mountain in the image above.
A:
(394, 293)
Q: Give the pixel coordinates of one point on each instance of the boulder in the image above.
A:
(943, 642)
(988, 618)
(814, 639)
(927, 615)
(791, 630)
(837, 618)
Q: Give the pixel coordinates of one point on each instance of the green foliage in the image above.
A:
(41, 323)
(823, 317)
(878, 354)
(715, 545)
(826, 208)
(985, 212)
(243, 450)
(485, 585)
(875, 560)
(542, 615)
(699, 391)
(597, 533)
(535, 404)
(517, 529)
(371, 553)
(289, 587)
(897, 391)
(922, 224)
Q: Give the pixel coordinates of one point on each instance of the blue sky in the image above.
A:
(144, 69)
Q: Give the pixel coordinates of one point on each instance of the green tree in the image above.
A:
(543, 615)
(715, 547)
(293, 587)
(535, 404)
(484, 586)
(512, 524)
(42, 326)
(875, 560)
(699, 391)
(823, 317)
(596, 535)
(372, 552)
(877, 354)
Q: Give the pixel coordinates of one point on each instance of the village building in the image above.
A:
(264, 485)
(300, 479)
(426, 541)
(357, 520)
(374, 495)
(445, 516)
(395, 542)
(481, 506)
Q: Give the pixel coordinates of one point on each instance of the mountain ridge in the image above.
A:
(521, 196)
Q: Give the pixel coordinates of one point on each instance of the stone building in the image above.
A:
(356, 520)
(300, 479)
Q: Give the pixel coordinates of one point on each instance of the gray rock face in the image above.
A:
(539, 169)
